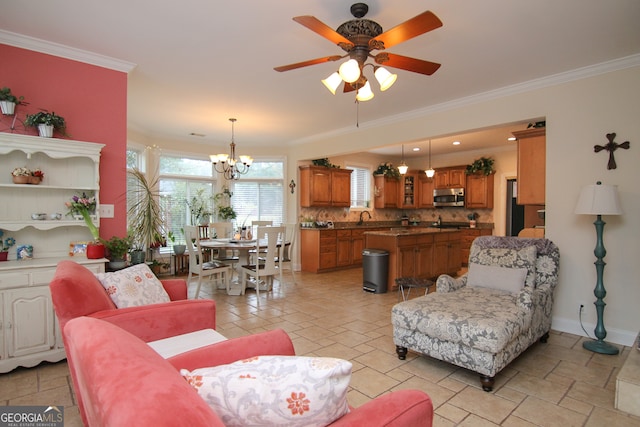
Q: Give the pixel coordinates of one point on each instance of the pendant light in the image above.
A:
(403, 167)
(430, 172)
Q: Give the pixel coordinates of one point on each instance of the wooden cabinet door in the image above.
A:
(441, 179)
(406, 261)
(531, 166)
(341, 187)
(424, 263)
(408, 191)
(479, 191)
(343, 248)
(457, 178)
(425, 192)
(440, 257)
(357, 246)
(454, 264)
(386, 192)
(29, 318)
(320, 188)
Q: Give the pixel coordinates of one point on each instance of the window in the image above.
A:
(182, 179)
(360, 186)
(259, 195)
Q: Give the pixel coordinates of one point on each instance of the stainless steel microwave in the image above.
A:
(448, 197)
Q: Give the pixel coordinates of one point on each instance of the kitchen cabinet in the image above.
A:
(321, 186)
(386, 192)
(408, 192)
(479, 191)
(531, 166)
(467, 236)
(425, 192)
(453, 177)
(325, 249)
(29, 332)
(422, 253)
(446, 253)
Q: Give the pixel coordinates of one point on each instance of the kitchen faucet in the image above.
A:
(439, 220)
(362, 219)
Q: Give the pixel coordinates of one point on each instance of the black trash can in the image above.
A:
(375, 269)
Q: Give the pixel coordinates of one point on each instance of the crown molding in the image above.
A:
(56, 49)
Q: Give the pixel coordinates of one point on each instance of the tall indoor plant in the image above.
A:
(145, 215)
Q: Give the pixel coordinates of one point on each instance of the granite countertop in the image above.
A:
(396, 225)
(394, 232)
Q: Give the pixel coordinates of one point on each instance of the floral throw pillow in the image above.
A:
(275, 390)
(509, 258)
(133, 286)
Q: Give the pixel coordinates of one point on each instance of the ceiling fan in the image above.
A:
(359, 37)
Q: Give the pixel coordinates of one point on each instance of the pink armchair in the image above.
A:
(76, 292)
(124, 382)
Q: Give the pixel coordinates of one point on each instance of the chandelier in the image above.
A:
(229, 166)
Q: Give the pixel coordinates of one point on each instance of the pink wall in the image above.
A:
(93, 101)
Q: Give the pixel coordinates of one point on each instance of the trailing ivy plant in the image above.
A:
(483, 164)
(324, 162)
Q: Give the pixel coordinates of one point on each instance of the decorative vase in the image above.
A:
(117, 264)
(45, 131)
(179, 249)
(8, 107)
(4, 256)
(137, 257)
(472, 223)
(21, 179)
(95, 250)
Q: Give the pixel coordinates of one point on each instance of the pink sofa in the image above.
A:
(76, 291)
(123, 382)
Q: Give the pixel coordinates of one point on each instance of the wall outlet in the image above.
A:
(106, 211)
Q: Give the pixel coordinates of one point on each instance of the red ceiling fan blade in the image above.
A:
(415, 26)
(318, 27)
(405, 63)
(307, 63)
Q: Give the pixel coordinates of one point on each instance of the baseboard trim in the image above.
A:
(614, 335)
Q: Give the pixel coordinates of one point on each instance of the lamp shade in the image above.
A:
(385, 78)
(350, 71)
(430, 173)
(599, 199)
(332, 82)
(365, 93)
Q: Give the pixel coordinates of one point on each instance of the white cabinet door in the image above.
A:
(28, 321)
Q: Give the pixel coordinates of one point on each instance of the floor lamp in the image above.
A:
(599, 200)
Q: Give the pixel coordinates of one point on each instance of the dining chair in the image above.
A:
(223, 230)
(254, 233)
(264, 267)
(291, 230)
(198, 266)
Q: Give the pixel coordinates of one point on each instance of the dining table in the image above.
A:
(242, 247)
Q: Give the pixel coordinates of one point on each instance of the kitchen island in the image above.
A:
(418, 252)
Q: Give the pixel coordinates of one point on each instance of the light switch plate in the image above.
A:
(106, 211)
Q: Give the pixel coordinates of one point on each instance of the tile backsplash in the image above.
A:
(421, 215)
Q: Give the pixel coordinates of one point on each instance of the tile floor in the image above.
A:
(553, 384)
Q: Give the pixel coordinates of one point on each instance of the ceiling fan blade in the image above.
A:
(415, 26)
(318, 27)
(307, 63)
(405, 63)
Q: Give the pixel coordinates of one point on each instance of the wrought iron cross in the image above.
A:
(611, 147)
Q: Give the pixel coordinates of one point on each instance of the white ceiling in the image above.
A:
(198, 62)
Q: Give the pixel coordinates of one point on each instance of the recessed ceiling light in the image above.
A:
(415, 149)
(456, 142)
(511, 138)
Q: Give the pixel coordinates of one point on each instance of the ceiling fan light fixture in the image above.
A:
(384, 78)
(365, 93)
(332, 82)
(349, 71)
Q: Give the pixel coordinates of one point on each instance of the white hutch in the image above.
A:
(29, 332)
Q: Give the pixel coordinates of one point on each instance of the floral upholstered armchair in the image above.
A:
(487, 317)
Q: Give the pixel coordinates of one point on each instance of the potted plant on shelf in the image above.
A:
(20, 175)
(222, 202)
(472, 219)
(5, 245)
(145, 215)
(117, 249)
(483, 165)
(387, 170)
(179, 248)
(8, 101)
(46, 123)
(84, 206)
